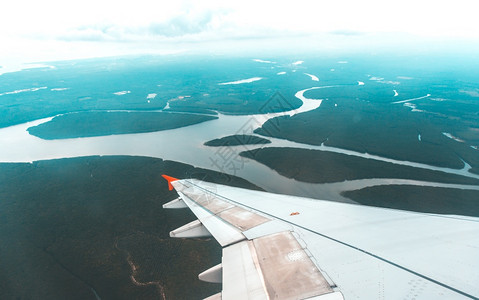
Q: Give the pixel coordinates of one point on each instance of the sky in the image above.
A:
(32, 30)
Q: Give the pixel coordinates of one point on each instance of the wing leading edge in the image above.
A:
(284, 247)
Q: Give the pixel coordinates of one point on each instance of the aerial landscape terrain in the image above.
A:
(84, 144)
(352, 128)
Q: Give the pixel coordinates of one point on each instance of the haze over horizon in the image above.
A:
(49, 30)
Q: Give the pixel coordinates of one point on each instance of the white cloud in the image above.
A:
(65, 26)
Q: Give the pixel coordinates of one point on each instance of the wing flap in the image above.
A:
(288, 271)
(242, 218)
(271, 267)
(241, 279)
(222, 231)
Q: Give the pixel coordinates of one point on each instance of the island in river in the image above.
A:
(237, 139)
(88, 124)
(327, 167)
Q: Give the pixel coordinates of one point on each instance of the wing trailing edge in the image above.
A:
(262, 257)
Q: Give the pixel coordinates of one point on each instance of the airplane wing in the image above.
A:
(285, 247)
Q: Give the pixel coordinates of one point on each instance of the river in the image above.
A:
(185, 145)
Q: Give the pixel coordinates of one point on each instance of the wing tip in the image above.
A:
(170, 180)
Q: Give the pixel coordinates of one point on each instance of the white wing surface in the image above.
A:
(285, 247)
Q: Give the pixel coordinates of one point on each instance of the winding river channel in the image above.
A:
(185, 145)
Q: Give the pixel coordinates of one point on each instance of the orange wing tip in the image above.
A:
(170, 180)
(294, 213)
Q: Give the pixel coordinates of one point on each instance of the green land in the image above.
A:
(238, 139)
(419, 198)
(326, 167)
(88, 124)
(349, 118)
(72, 226)
(188, 83)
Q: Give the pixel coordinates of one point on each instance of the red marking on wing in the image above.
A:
(170, 180)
